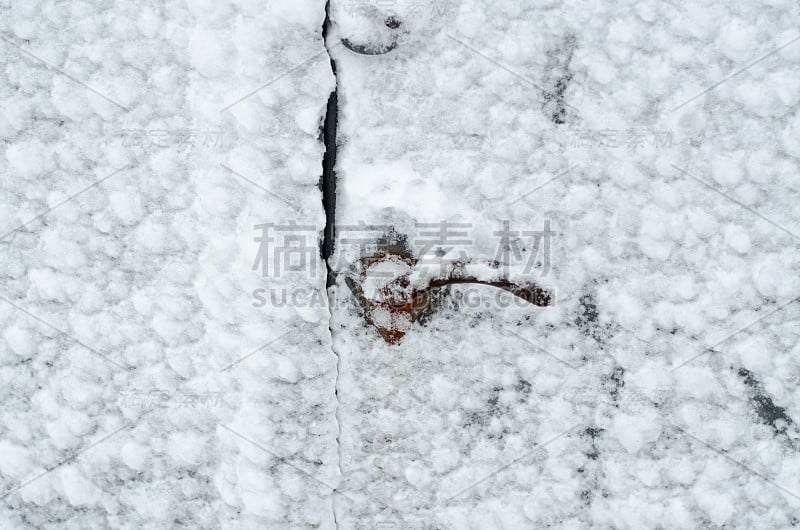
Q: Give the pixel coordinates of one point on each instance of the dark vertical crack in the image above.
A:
(328, 187)
(328, 183)
(329, 180)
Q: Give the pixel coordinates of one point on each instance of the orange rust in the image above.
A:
(421, 303)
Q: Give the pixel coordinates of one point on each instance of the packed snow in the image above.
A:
(136, 367)
(611, 123)
(171, 354)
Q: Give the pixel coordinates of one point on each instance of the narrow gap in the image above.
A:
(328, 188)
(328, 183)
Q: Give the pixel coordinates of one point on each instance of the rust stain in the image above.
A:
(398, 313)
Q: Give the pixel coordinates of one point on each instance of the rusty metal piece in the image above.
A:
(400, 306)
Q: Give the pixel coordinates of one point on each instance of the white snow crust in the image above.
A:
(132, 302)
(462, 425)
(142, 144)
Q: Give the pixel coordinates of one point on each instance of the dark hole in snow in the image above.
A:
(617, 378)
(593, 433)
(770, 413)
(392, 22)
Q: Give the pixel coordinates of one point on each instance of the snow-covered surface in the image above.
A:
(152, 268)
(145, 385)
(650, 265)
